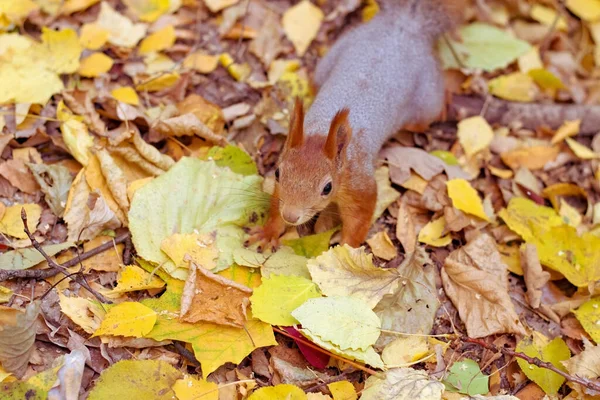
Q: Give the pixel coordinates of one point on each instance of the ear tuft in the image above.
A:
(339, 135)
(296, 132)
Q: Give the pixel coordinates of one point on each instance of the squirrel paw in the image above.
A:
(263, 237)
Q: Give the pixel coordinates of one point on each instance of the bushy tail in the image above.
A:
(435, 16)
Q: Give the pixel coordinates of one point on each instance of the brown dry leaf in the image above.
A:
(475, 279)
(212, 298)
(108, 260)
(98, 184)
(405, 228)
(535, 276)
(17, 173)
(267, 45)
(402, 159)
(80, 102)
(208, 113)
(115, 178)
(17, 337)
(533, 158)
(586, 365)
(382, 246)
(55, 181)
(188, 124)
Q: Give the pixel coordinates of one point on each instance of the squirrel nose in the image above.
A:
(291, 216)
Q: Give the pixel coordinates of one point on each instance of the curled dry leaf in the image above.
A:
(402, 384)
(212, 298)
(17, 173)
(55, 181)
(535, 276)
(188, 124)
(17, 337)
(587, 365)
(475, 279)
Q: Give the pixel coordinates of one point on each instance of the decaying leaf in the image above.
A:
(402, 384)
(17, 337)
(88, 314)
(29, 257)
(587, 365)
(381, 245)
(55, 181)
(474, 278)
(535, 276)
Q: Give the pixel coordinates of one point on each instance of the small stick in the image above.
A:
(48, 273)
(79, 278)
(535, 361)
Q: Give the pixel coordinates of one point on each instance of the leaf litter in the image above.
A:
(162, 120)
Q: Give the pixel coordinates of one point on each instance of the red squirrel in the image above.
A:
(377, 79)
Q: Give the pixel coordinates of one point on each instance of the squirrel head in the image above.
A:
(310, 167)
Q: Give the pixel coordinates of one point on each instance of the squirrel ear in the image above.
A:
(339, 134)
(296, 132)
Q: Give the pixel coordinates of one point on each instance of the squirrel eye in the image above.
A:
(327, 189)
(277, 174)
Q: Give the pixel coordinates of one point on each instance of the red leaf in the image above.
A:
(316, 358)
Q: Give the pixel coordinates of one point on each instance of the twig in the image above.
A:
(535, 361)
(185, 353)
(48, 273)
(315, 347)
(79, 278)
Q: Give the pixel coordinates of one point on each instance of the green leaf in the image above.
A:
(312, 245)
(193, 195)
(465, 377)
(553, 352)
(139, 379)
(484, 47)
(55, 181)
(29, 257)
(344, 321)
(279, 295)
(234, 158)
(589, 315)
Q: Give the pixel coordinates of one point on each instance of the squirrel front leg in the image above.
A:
(356, 209)
(273, 228)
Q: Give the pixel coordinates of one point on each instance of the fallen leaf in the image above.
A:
(483, 46)
(588, 315)
(311, 246)
(186, 125)
(466, 377)
(122, 32)
(201, 62)
(554, 352)
(148, 11)
(281, 391)
(278, 295)
(402, 159)
(404, 351)
(127, 319)
(93, 37)
(532, 158)
(548, 17)
(546, 79)
(285, 262)
(301, 24)
(346, 271)
(75, 133)
(5, 296)
(346, 322)
(465, 198)
(133, 278)
(190, 388)
(218, 5)
(55, 181)
(581, 151)
(17, 173)
(431, 233)
(72, 6)
(158, 82)
(342, 390)
(234, 158)
(515, 87)
(474, 278)
(95, 65)
(88, 314)
(588, 10)
(60, 50)
(586, 365)
(474, 135)
(11, 223)
(402, 384)
(535, 277)
(239, 72)
(157, 41)
(29, 257)
(17, 337)
(126, 94)
(148, 379)
(386, 194)
(382, 247)
(36, 387)
(405, 228)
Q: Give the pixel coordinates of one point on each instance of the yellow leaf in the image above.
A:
(465, 198)
(416, 183)
(95, 65)
(73, 6)
(553, 352)
(98, 183)
(522, 214)
(342, 390)
(595, 31)
(126, 94)
(589, 315)
(190, 388)
(382, 246)
(581, 151)
(532, 158)
(93, 37)
(88, 314)
(403, 351)
(201, 62)
(5, 295)
(474, 135)
(548, 17)
(200, 249)
(159, 40)
(511, 256)
(530, 60)
(515, 87)
(148, 10)
(588, 10)
(75, 134)
(14, 12)
(546, 79)
(159, 82)
(569, 214)
(62, 50)
(281, 391)
(501, 173)
(122, 32)
(301, 24)
(133, 278)
(11, 223)
(127, 319)
(370, 10)
(109, 260)
(135, 185)
(567, 129)
(386, 194)
(431, 233)
(240, 72)
(218, 5)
